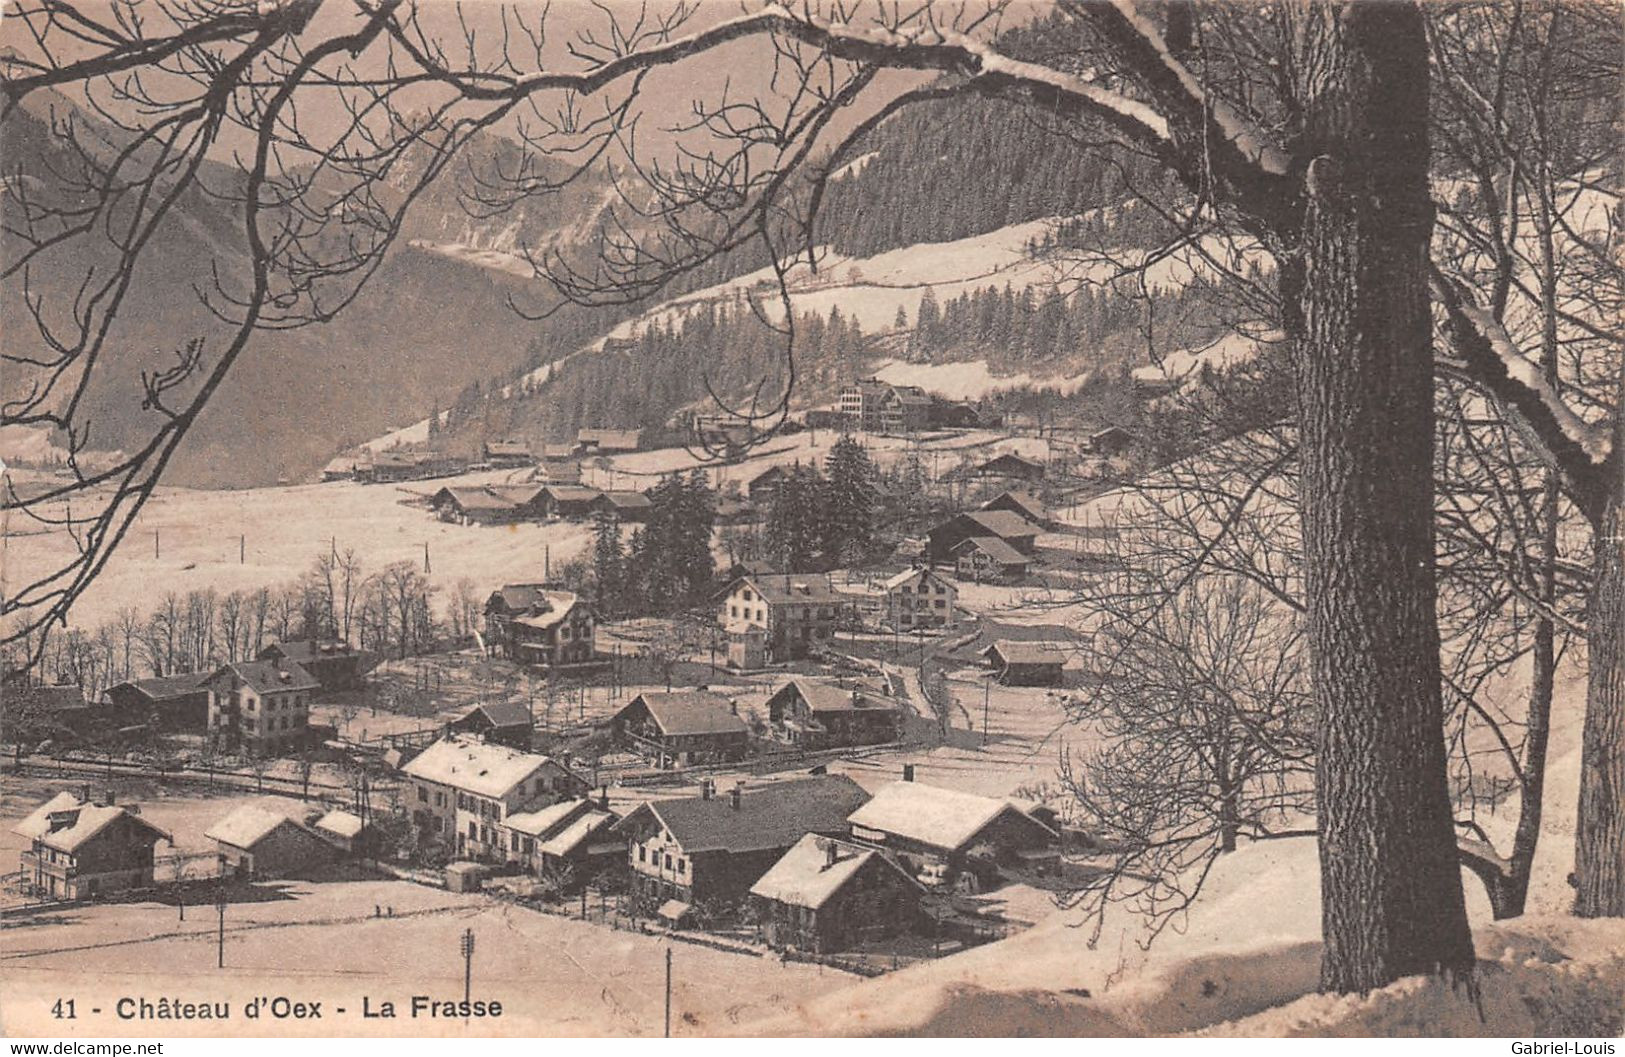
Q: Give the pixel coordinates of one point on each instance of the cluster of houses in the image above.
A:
(500, 504)
(561, 462)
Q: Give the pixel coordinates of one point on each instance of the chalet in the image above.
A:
(342, 467)
(490, 504)
(764, 487)
(466, 787)
(826, 895)
(255, 842)
(507, 454)
(1113, 440)
(1024, 504)
(608, 441)
(797, 612)
(498, 722)
(337, 666)
(566, 501)
(949, 839)
(954, 414)
(1028, 663)
(81, 849)
(712, 849)
(814, 714)
(1011, 465)
(989, 560)
(177, 702)
(261, 707)
(682, 727)
(919, 598)
(571, 841)
(1013, 529)
(534, 625)
(559, 465)
(623, 505)
(347, 832)
(387, 467)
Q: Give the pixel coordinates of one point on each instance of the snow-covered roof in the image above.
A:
(812, 871)
(474, 766)
(247, 826)
(692, 712)
(942, 818)
(341, 824)
(559, 605)
(538, 823)
(1014, 652)
(80, 822)
(909, 575)
(570, 837)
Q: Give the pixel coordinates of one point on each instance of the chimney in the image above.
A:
(84, 793)
(832, 853)
(733, 705)
(603, 797)
(708, 788)
(908, 772)
(109, 798)
(738, 794)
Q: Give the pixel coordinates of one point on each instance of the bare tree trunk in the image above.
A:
(1599, 838)
(1392, 902)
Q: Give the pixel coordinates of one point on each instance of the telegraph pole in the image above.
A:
(220, 908)
(242, 549)
(466, 944)
(987, 689)
(668, 992)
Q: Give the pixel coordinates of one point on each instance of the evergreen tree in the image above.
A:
(609, 565)
(850, 502)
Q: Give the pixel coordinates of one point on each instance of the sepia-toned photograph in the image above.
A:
(743, 519)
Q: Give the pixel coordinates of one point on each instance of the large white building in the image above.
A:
(461, 790)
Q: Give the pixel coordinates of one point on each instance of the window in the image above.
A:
(668, 860)
(682, 865)
(733, 611)
(423, 795)
(643, 853)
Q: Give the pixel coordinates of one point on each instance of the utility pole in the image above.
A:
(987, 690)
(154, 544)
(426, 569)
(220, 908)
(242, 549)
(668, 992)
(466, 944)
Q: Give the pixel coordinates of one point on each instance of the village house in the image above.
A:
(461, 790)
(710, 849)
(257, 843)
(508, 454)
(1013, 529)
(764, 487)
(346, 831)
(826, 895)
(989, 560)
(559, 465)
(565, 502)
(498, 722)
(1113, 440)
(179, 703)
(337, 666)
(1011, 465)
(261, 707)
(947, 839)
(571, 842)
(1028, 663)
(954, 414)
(1022, 503)
(920, 598)
(873, 406)
(682, 727)
(535, 625)
(797, 612)
(79, 848)
(608, 441)
(624, 505)
(816, 714)
(488, 504)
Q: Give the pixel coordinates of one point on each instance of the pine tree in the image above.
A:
(850, 504)
(609, 564)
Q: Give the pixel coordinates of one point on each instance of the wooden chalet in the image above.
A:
(1012, 528)
(1017, 663)
(490, 504)
(508, 454)
(989, 560)
(178, 703)
(919, 597)
(255, 842)
(682, 727)
(608, 441)
(499, 722)
(336, 665)
(624, 505)
(566, 501)
(764, 487)
(815, 714)
(1021, 503)
(536, 625)
(711, 849)
(1011, 465)
(948, 839)
(79, 848)
(826, 895)
(571, 841)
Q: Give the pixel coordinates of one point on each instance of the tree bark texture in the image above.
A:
(1357, 297)
(1599, 839)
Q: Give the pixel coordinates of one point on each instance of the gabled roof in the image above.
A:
(547, 820)
(167, 687)
(1030, 504)
(1005, 524)
(270, 677)
(571, 493)
(806, 876)
(502, 713)
(792, 588)
(84, 822)
(489, 497)
(248, 825)
(1010, 457)
(517, 597)
(829, 697)
(1014, 652)
(770, 816)
(994, 548)
(341, 824)
(611, 439)
(571, 836)
(628, 500)
(920, 572)
(507, 447)
(475, 766)
(303, 651)
(559, 604)
(558, 451)
(942, 818)
(691, 712)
